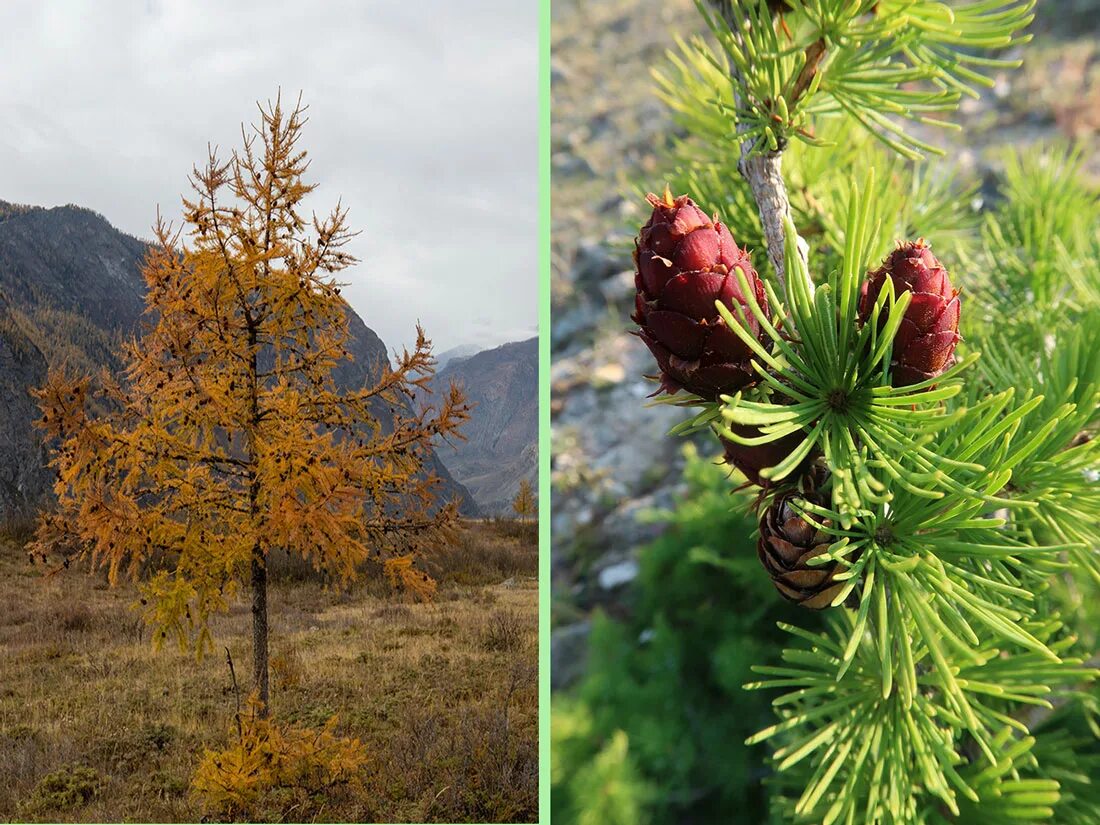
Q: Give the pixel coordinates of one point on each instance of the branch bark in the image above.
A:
(764, 173)
(764, 170)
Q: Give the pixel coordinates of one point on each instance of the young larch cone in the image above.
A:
(685, 262)
(925, 344)
(786, 545)
(752, 459)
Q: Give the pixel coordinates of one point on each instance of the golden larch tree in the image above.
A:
(227, 437)
(524, 502)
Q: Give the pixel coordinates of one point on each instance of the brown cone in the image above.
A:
(787, 543)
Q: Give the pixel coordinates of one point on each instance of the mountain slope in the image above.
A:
(70, 291)
(501, 445)
(22, 480)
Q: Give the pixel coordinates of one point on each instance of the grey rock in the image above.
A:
(624, 524)
(559, 73)
(612, 458)
(595, 261)
(616, 575)
(619, 289)
(568, 164)
(613, 204)
(568, 654)
(620, 25)
(599, 125)
(454, 355)
(24, 479)
(572, 328)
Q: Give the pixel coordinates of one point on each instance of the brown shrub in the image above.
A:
(291, 568)
(480, 765)
(527, 532)
(429, 695)
(503, 632)
(75, 617)
(392, 613)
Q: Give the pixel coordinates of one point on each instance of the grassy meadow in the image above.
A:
(95, 725)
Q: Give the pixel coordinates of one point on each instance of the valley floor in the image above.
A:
(97, 726)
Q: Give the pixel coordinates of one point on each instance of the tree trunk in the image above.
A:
(259, 630)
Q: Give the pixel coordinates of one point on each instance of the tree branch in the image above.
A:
(236, 692)
(764, 170)
(764, 173)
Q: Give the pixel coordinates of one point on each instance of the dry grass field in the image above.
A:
(97, 726)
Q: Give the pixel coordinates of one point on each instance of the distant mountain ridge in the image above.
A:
(455, 354)
(70, 290)
(501, 446)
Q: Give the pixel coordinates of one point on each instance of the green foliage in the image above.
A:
(954, 682)
(1038, 263)
(832, 382)
(1039, 247)
(873, 62)
(662, 715)
(1058, 480)
(951, 511)
(1068, 749)
(910, 199)
(593, 783)
(861, 752)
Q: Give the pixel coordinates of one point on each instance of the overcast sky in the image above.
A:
(423, 118)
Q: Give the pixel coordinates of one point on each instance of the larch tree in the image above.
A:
(524, 502)
(227, 436)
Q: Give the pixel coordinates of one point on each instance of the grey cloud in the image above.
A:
(423, 119)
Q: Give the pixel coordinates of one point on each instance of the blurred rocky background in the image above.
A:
(611, 461)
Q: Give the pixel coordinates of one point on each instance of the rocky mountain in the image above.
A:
(70, 290)
(22, 365)
(501, 446)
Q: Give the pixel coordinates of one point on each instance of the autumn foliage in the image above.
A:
(267, 757)
(400, 573)
(524, 503)
(226, 436)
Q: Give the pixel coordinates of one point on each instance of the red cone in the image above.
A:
(925, 344)
(685, 262)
